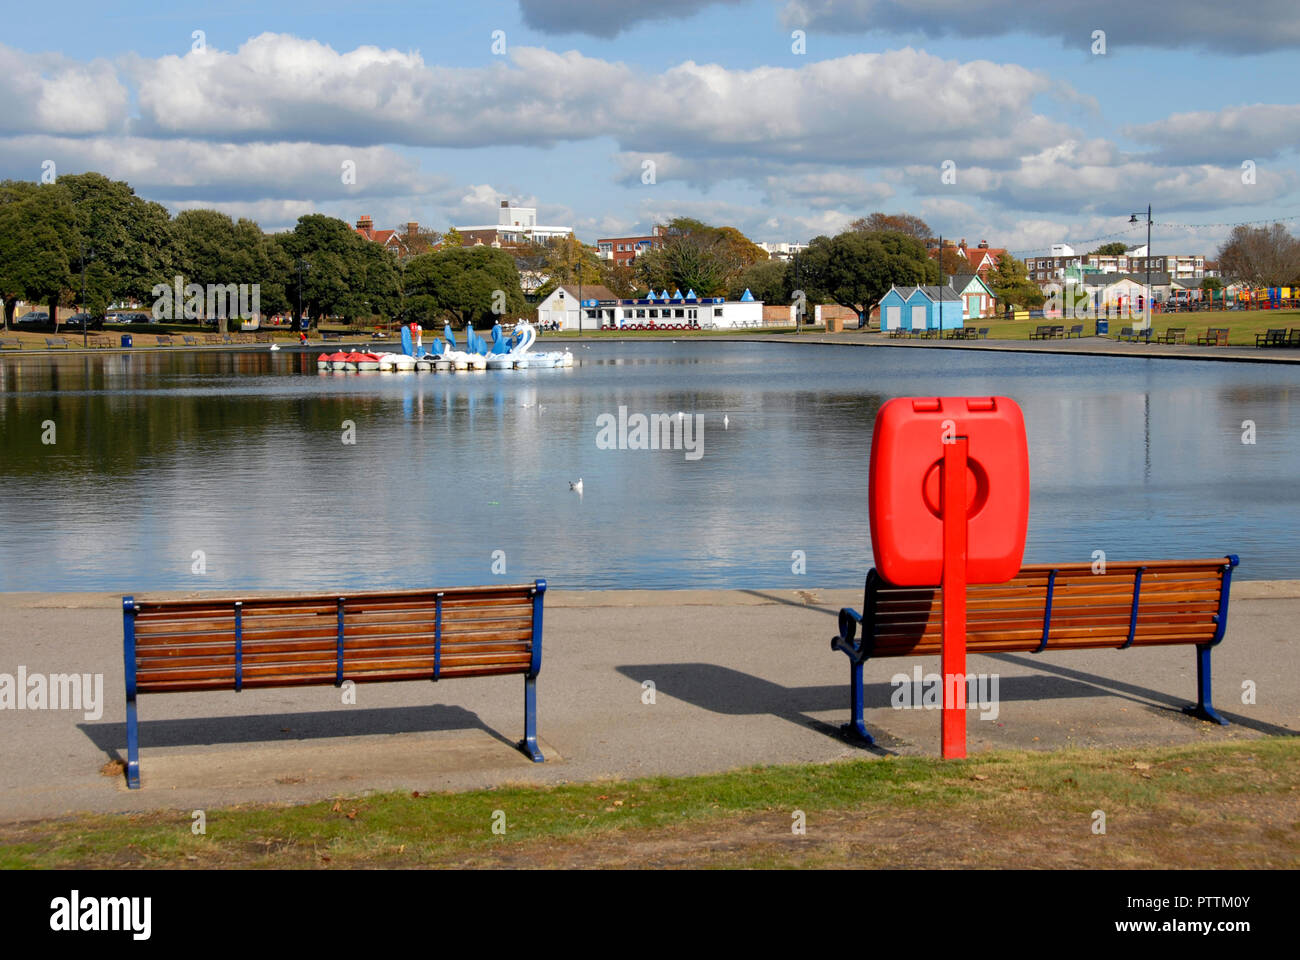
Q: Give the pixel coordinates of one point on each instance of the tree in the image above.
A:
(36, 231)
(618, 278)
(568, 260)
(1011, 285)
(1261, 256)
(697, 256)
(1112, 249)
(452, 238)
(471, 283)
(121, 242)
(342, 273)
(896, 222)
(952, 261)
(855, 268)
(767, 280)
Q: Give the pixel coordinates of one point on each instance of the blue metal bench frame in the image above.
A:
(528, 745)
(860, 648)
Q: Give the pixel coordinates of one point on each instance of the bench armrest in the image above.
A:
(846, 641)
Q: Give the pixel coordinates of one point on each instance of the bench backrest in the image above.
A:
(1066, 605)
(179, 645)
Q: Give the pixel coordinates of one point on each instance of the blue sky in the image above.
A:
(1049, 140)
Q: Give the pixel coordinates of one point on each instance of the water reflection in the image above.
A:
(243, 456)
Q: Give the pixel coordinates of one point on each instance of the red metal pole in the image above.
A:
(953, 664)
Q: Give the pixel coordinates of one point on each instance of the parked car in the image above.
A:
(33, 318)
(140, 318)
(83, 321)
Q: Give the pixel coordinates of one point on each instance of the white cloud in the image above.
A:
(1254, 132)
(47, 93)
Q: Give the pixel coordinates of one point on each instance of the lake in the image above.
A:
(231, 470)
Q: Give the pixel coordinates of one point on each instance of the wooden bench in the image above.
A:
(1049, 607)
(1042, 332)
(163, 341)
(190, 341)
(1075, 331)
(1214, 337)
(329, 336)
(11, 344)
(174, 646)
(264, 338)
(56, 343)
(1273, 337)
(1173, 335)
(210, 338)
(984, 333)
(1135, 336)
(101, 343)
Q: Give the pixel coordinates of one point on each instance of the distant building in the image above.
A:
(514, 225)
(782, 251)
(977, 297)
(982, 258)
(562, 305)
(599, 307)
(1063, 259)
(401, 243)
(623, 250)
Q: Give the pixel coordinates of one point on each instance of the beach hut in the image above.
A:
(933, 308)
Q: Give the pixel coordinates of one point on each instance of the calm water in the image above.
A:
(241, 456)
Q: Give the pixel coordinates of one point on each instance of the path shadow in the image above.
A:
(735, 693)
(277, 727)
(1135, 693)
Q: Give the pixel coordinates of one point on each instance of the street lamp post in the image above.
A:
(1133, 218)
(301, 265)
(81, 253)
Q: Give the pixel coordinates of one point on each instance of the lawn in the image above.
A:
(1234, 805)
(1242, 324)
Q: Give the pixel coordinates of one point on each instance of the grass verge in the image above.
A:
(1230, 805)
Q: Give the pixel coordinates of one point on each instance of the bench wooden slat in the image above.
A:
(1050, 607)
(267, 641)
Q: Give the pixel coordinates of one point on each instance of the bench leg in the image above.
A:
(856, 726)
(1204, 707)
(132, 746)
(529, 744)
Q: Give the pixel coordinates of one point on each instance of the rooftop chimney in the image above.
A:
(412, 227)
(364, 223)
(505, 203)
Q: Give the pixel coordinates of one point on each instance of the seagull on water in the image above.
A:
(576, 485)
(725, 421)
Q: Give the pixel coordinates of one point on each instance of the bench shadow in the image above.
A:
(735, 693)
(1136, 694)
(279, 727)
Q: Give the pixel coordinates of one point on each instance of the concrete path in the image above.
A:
(741, 677)
(1082, 346)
